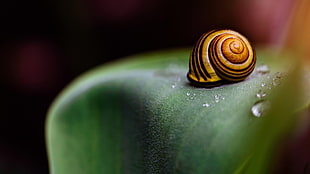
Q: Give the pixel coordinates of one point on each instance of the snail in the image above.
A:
(221, 57)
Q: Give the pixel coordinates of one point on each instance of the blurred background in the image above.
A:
(46, 44)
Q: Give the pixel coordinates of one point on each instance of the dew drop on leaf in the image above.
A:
(260, 108)
(217, 98)
(262, 69)
(260, 94)
(206, 105)
(276, 80)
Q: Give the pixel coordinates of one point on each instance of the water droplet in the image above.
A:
(217, 98)
(260, 94)
(262, 69)
(206, 105)
(260, 108)
(276, 81)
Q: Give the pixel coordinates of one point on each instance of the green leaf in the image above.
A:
(141, 115)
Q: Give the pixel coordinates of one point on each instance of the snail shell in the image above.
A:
(221, 56)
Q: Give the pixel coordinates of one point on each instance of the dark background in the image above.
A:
(45, 44)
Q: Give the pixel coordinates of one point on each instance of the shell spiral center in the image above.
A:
(234, 50)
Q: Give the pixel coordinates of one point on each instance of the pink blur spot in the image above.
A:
(35, 66)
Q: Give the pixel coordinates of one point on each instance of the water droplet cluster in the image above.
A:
(262, 105)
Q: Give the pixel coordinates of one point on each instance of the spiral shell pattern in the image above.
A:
(221, 56)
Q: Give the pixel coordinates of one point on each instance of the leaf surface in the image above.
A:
(141, 115)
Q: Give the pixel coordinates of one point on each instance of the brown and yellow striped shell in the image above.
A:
(219, 57)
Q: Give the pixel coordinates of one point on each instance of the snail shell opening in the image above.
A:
(221, 56)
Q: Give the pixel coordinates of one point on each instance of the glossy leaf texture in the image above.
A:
(141, 115)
